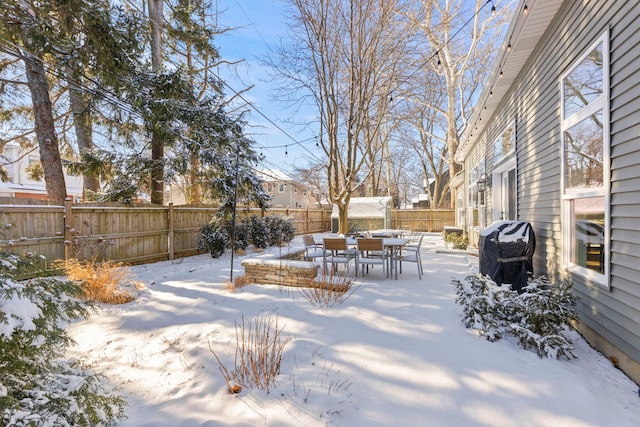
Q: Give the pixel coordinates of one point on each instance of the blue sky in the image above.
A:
(259, 24)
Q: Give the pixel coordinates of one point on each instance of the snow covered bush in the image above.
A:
(242, 234)
(282, 230)
(543, 311)
(38, 387)
(537, 316)
(213, 239)
(483, 304)
(259, 232)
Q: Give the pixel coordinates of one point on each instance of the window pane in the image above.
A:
(503, 145)
(584, 83)
(583, 152)
(588, 220)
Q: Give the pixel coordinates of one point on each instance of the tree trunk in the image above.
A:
(45, 130)
(157, 144)
(194, 195)
(157, 171)
(343, 218)
(83, 128)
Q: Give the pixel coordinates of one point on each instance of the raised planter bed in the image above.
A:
(286, 272)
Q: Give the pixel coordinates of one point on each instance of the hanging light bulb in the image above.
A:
(493, 9)
(526, 9)
(286, 153)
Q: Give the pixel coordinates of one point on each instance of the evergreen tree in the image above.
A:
(70, 42)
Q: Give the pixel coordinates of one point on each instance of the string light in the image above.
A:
(526, 9)
(493, 9)
(286, 153)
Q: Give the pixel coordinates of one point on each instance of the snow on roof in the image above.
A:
(366, 207)
(271, 175)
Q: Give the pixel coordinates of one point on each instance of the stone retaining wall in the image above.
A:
(280, 271)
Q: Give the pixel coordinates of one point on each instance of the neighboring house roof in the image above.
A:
(271, 175)
(523, 35)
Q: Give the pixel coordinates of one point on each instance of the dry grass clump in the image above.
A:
(329, 290)
(238, 282)
(101, 281)
(259, 348)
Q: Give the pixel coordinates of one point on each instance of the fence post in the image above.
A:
(306, 222)
(68, 226)
(170, 237)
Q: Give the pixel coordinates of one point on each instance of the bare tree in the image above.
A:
(314, 178)
(346, 56)
(463, 38)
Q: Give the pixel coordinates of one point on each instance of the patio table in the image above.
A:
(394, 245)
(387, 232)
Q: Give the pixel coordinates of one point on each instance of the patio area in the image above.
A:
(394, 353)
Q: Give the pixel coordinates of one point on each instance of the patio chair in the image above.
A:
(312, 250)
(337, 252)
(411, 253)
(372, 252)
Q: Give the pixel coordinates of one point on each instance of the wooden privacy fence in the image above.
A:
(131, 234)
(432, 220)
(142, 234)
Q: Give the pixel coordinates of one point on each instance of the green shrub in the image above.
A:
(213, 239)
(281, 230)
(259, 232)
(38, 387)
(242, 233)
(457, 241)
(537, 316)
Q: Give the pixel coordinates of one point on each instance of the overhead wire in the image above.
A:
(115, 100)
(430, 58)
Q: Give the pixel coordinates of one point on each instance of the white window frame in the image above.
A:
(600, 104)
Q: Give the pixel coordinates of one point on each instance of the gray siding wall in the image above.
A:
(534, 100)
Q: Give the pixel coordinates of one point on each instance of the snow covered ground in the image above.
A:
(394, 354)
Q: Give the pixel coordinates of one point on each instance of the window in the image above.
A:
(504, 144)
(281, 187)
(585, 164)
(476, 197)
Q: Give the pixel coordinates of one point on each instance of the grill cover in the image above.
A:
(505, 252)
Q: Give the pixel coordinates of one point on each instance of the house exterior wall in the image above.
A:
(287, 194)
(609, 316)
(15, 161)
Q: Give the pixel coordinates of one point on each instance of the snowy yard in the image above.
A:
(394, 354)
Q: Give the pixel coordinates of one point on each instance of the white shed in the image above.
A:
(365, 213)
